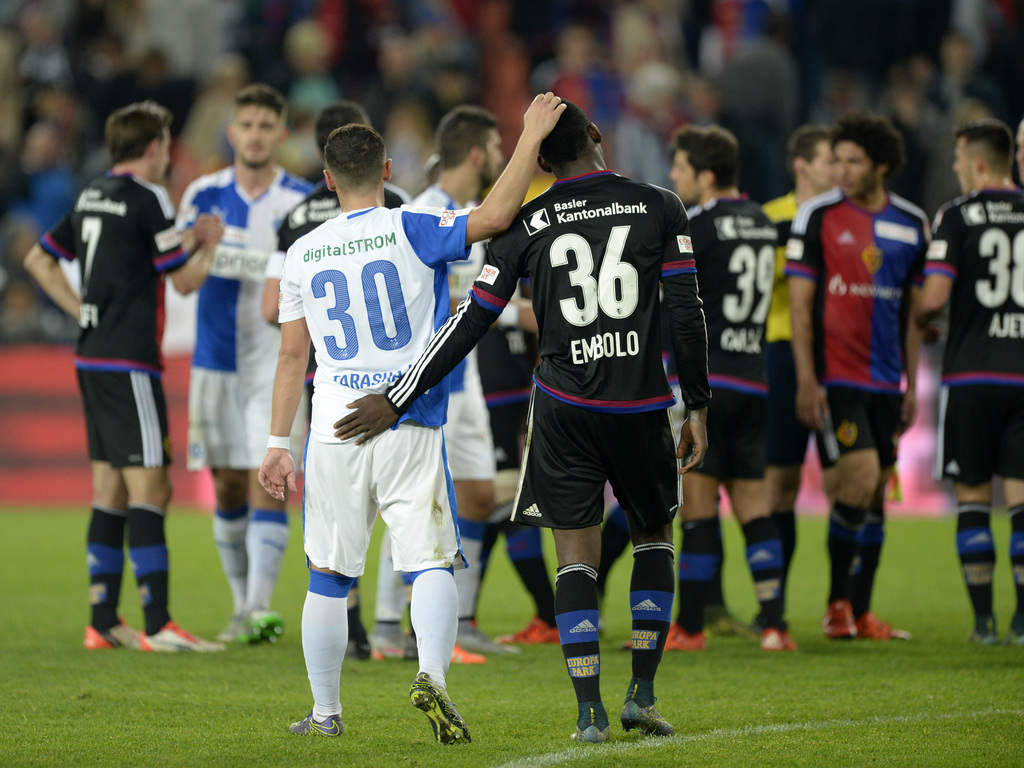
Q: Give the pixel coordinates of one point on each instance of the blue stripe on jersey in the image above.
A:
(115, 366)
(938, 268)
(983, 377)
(800, 270)
(170, 260)
(883, 388)
(434, 240)
(50, 246)
(488, 301)
(216, 340)
(739, 385)
(609, 406)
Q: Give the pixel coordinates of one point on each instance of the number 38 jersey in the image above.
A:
(372, 286)
(121, 232)
(595, 248)
(979, 243)
(734, 246)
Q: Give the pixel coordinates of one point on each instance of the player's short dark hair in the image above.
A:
(569, 138)
(355, 156)
(710, 148)
(335, 115)
(262, 95)
(129, 130)
(875, 135)
(804, 143)
(461, 129)
(993, 139)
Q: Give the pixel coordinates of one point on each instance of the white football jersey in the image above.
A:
(372, 286)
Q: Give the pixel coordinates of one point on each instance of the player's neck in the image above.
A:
(873, 200)
(804, 192)
(138, 167)
(460, 184)
(985, 181)
(255, 181)
(359, 200)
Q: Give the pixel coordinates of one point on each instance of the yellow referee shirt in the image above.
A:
(782, 211)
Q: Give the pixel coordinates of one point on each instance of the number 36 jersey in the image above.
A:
(372, 286)
(596, 248)
(979, 244)
(734, 247)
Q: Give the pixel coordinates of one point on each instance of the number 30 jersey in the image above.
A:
(372, 286)
(596, 249)
(979, 243)
(734, 246)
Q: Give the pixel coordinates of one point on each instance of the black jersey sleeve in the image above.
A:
(945, 251)
(164, 244)
(59, 242)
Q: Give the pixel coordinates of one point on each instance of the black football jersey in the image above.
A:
(595, 248)
(979, 243)
(319, 206)
(122, 234)
(734, 246)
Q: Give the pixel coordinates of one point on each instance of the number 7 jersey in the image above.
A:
(372, 286)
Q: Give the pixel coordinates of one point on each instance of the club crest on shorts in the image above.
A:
(846, 433)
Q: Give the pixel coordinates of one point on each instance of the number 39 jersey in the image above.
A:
(121, 232)
(372, 286)
(979, 243)
(595, 248)
(734, 246)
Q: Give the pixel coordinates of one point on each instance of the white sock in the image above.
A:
(434, 607)
(266, 539)
(229, 536)
(468, 579)
(390, 589)
(324, 639)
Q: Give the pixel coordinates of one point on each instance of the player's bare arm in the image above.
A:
(934, 295)
(206, 233)
(811, 403)
(495, 214)
(47, 272)
(693, 440)
(913, 336)
(277, 473)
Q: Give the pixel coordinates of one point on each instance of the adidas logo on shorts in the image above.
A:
(531, 511)
(646, 605)
(583, 626)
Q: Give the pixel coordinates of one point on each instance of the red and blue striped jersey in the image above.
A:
(863, 263)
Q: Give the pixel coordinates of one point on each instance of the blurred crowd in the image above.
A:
(640, 69)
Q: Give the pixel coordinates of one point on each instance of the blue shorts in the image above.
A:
(786, 438)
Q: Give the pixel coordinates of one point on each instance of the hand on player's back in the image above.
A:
(373, 414)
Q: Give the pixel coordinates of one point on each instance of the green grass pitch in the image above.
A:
(935, 701)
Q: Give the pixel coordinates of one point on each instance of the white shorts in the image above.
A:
(468, 434)
(402, 474)
(229, 419)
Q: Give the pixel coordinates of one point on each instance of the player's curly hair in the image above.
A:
(875, 135)
(568, 139)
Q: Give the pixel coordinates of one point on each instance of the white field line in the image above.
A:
(581, 752)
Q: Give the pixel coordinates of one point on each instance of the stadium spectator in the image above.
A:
(233, 363)
(593, 418)
(854, 262)
(734, 250)
(121, 233)
(812, 167)
(339, 513)
(982, 400)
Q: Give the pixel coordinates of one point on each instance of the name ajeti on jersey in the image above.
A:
(734, 247)
(979, 243)
(594, 247)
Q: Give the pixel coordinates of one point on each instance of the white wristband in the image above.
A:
(274, 441)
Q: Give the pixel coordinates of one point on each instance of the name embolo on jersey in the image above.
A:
(734, 246)
(862, 262)
(121, 232)
(372, 286)
(979, 243)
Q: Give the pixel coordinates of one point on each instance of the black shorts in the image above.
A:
(860, 420)
(736, 427)
(507, 425)
(571, 452)
(125, 418)
(786, 438)
(981, 433)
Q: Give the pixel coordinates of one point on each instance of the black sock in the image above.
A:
(843, 529)
(785, 525)
(614, 540)
(713, 595)
(147, 548)
(869, 552)
(105, 555)
(764, 557)
(651, 589)
(976, 548)
(527, 557)
(698, 560)
(1017, 564)
(577, 614)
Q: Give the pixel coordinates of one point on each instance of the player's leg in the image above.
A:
(105, 557)
(230, 523)
(698, 559)
(1013, 490)
(614, 540)
(976, 549)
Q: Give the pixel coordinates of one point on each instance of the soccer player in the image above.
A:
(370, 287)
(734, 252)
(319, 206)
(233, 363)
(854, 265)
(597, 248)
(971, 265)
(813, 169)
(121, 232)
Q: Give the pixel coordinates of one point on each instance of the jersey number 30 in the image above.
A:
(388, 333)
(615, 289)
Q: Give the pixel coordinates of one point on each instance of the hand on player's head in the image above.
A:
(542, 116)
